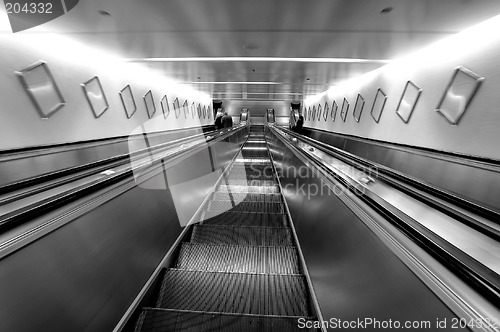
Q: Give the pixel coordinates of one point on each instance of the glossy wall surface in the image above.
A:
(431, 69)
(71, 64)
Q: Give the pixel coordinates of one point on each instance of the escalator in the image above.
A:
(241, 269)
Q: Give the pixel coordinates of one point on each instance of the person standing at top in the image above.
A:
(218, 121)
(227, 120)
(298, 125)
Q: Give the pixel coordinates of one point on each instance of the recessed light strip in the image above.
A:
(256, 59)
(228, 82)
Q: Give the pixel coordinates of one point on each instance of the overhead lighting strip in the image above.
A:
(257, 59)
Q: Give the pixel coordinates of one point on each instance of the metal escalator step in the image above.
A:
(256, 141)
(254, 154)
(261, 173)
(264, 294)
(252, 167)
(248, 189)
(247, 259)
(220, 196)
(243, 235)
(166, 320)
(235, 206)
(243, 219)
(250, 175)
(249, 182)
(242, 161)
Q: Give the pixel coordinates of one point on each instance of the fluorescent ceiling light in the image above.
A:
(257, 59)
(265, 83)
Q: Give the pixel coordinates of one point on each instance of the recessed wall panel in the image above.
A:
(334, 110)
(128, 101)
(358, 108)
(344, 110)
(42, 89)
(458, 94)
(193, 109)
(185, 107)
(93, 92)
(164, 106)
(150, 103)
(177, 108)
(378, 105)
(408, 101)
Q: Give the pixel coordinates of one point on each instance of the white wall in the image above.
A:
(257, 108)
(72, 64)
(478, 133)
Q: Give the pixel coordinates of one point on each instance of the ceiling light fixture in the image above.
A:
(256, 59)
(264, 83)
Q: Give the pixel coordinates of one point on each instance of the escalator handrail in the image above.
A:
(27, 213)
(397, 179)
(99, 164)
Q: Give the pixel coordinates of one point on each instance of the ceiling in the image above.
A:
(321, 31)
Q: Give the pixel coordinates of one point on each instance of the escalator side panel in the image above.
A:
(355, 275)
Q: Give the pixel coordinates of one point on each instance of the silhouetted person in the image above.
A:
(298, 125)
(218, 122)
(227, 121)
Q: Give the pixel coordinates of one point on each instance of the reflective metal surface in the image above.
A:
(476, 181)
(17, 166)
(355, 276)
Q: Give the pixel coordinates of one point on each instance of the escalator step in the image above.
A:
(166, 320)
(249, 182)
(253, 236)
(255, 143)
(249, 175)
(248, 189)
(235, 206)
(220, 196)
(264, 294)
(241, 161)
(249, 259)
(243, 219)
(255, 167)
(254, 154)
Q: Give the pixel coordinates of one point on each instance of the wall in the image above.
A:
(257, 108)
(477, 49)
(71, 64)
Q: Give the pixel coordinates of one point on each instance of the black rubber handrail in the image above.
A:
(98, 141)
(481, 278)
(97, 165)
(464, 159)
(389, 175)
(19, 217)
